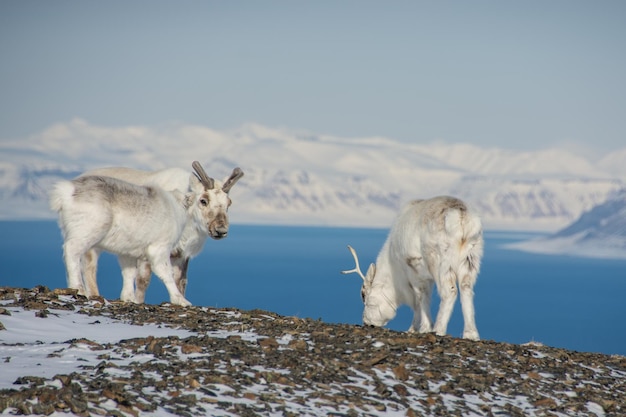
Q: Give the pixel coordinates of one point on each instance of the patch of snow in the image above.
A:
(44, 346)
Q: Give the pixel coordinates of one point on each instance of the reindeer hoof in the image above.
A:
(471, 335)
(181, 302)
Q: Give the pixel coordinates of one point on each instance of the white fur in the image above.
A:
(436, 241)
(192, 238)
(130, 221)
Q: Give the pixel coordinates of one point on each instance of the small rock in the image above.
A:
(401, 390)
(401, 372)
(298, 344)
(268, 343)
(545, 402)
(186, 348)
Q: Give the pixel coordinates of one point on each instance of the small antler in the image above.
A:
(207, 181)
(234, 177)
(357, 269)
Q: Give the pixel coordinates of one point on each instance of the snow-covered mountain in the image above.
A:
(600, 232)
(296, 177)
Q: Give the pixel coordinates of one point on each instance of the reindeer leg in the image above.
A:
(72, 254)
(81, 235)
(467, 305)
(162, 267)
(466, 285)
(128, 265)
(180, 265)
(74, 250)
(422, 294)
(142, 280)
(446, 286)
(422, 321)
(90, 270)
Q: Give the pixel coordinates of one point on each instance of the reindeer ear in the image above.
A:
(185, 199)
(371, 272)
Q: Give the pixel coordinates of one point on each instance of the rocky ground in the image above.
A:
(252, 363)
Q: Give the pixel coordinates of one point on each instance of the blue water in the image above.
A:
(560, 301)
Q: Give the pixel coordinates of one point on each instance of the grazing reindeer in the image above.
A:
(135, 222)
(436, 241)
(192, 239)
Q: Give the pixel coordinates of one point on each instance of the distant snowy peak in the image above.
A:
(614, 163)
(303, 197)
(600, 232)
(492, 161)
(534, 198)
(604, 221)
(299, 177)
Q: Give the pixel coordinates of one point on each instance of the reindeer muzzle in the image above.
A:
(219, 234)
(218, 228)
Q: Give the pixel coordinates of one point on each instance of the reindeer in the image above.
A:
(435, 241)
(132, 221)
(192, 239)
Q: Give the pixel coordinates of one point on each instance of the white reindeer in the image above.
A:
(132, 221)
(192, 239)
(431, 241)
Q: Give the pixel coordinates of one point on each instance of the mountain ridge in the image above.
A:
(599, 232)
(298, 177)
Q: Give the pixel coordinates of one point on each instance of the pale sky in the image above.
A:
(510, 74)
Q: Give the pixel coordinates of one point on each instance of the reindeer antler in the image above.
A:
(207, 181)
(357, 269)
(234, 177)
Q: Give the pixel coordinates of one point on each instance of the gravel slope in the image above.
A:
(259, 363)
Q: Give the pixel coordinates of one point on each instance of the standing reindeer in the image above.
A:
(436, 241)
(135, 222)
(192, 239)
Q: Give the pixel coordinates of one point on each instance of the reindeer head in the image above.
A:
(378, 309)
(212, 200)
